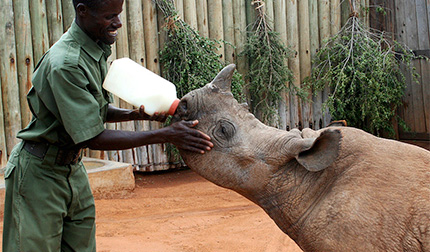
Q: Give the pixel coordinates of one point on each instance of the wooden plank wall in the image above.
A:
(408, 23)
(28, 28)
(412, 28)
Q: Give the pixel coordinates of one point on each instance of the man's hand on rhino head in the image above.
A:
(183, 136)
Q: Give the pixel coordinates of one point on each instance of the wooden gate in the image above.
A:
(412, 28)
(28, 28)
(408, 21)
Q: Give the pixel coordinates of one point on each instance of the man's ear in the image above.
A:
(81, 10)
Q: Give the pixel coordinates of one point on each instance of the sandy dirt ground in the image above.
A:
(179, 211)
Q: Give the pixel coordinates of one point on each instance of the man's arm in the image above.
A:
(181, 134)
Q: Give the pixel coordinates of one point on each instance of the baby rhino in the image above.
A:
(336, 189)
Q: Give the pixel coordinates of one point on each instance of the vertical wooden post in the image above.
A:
(240, 38)
(355, 5)
(314, 46)
(162, 32)
(268, 9)
(202, 17)
(294, 62)
(216, 24)
(68, 13)
(324, 19)
(228, 30)
(422, 95)
(335, 16)
(24, 57)
(3, 147)
(305, 56)
(239, 16)
(179, 5)
(152, 63)
(112, 155)
(136, 40)
(324, 32)
(122, 50)
(190, 13)
(365, 11)
(151, 36)
(250, 14)
(385, 23)
(379, 21)
(280, 26)
(345, 11)
(39, 29)
(55, 20)
(415, 34)
(358, 6)
(9, 80)
(121, 43)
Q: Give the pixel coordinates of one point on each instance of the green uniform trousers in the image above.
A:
(48, 208)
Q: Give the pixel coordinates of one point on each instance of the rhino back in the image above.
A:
(379, 201)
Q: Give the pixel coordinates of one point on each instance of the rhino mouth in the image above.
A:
(182, 112)
(188, 107)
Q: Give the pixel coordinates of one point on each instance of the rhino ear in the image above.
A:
(223, 79)
(321, 152)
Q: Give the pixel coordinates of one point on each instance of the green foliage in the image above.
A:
(268, 74)
(364, 73)
(381, 10)
(188, 59)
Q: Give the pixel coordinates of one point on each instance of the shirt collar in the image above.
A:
(95, 50)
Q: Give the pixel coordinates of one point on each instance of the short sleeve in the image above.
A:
(79, 105)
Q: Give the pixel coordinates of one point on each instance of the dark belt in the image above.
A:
(63, 157)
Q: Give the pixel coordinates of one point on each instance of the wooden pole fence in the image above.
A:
(28, 28)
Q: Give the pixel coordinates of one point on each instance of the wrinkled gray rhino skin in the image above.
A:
(335, 189)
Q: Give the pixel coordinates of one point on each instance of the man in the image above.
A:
(49, 205)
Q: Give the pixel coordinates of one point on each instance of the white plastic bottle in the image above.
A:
(139, 86)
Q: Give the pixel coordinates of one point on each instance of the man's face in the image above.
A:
(102, 24)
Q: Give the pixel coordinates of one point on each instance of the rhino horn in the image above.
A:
(223, 79)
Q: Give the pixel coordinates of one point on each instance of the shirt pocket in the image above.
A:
(13, 160)
(102, 99)
(10, 166)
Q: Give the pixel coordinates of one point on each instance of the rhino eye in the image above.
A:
(224, 130)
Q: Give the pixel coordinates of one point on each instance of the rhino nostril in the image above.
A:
(182, 108)
(182, 112)
(183, 105)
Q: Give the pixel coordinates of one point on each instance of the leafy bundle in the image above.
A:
(268, 74)
(188, 59)
(364, 72)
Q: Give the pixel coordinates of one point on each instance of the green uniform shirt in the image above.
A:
(67, 100)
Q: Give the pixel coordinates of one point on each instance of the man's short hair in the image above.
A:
(92, 4)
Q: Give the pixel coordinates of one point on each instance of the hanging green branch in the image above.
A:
(268, 74)
(364, 73)
(188, 59)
